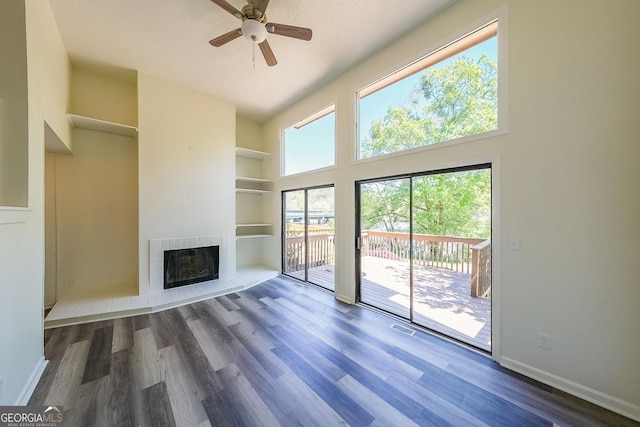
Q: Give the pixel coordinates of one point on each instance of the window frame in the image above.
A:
(500, 19)
(306, 120)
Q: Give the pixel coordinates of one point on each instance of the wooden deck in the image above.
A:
(442, 299)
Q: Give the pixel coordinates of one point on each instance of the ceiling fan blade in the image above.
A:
(261, 5)
(289, 31)
(268, 53)
(226, 6)
(226, 38)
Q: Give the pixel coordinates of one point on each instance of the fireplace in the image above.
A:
(191, 265)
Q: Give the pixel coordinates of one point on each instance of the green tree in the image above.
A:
(446, 204)
(384, 205)
(450, 102)
(456, 100)
(453, 204)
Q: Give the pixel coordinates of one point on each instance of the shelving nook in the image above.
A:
(249, 187)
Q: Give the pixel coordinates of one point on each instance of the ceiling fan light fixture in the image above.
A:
(254, 30)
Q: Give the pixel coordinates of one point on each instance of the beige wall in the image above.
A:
(96, 215)
(99, 97)
(50, 232)
(22, 232)
(565, 182)
(14, 160)
(50, 77)
(186, 169)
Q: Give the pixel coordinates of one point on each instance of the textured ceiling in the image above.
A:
(169, 39)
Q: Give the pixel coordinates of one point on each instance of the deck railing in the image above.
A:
(481, 273)
(461, 254)
(321, 251)
(450, 253)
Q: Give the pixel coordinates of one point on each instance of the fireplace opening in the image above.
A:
(187, 266)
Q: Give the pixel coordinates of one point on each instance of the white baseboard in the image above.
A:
(614, 404)
(32, 382)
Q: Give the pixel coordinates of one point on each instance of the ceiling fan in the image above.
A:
(256, 28)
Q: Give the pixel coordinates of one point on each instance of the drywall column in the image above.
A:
(186, 155)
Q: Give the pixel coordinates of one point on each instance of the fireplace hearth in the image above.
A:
(188, 266)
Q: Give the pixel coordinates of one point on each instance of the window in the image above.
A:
(310, 143)
(449, 94)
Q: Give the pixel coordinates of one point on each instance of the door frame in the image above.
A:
(492, 164)
(283, 230)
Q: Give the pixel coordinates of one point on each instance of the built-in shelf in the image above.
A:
(252, 191)
(89, 123)
(252, 154)
(255, 180)
(251, 162)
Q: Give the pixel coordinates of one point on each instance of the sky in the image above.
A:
(313, 146)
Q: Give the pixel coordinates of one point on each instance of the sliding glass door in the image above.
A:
(308, 242)
(295, 242)
(384, 270)
(425, 250)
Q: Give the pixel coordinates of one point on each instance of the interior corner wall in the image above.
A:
(186, 151)
(22, 238)
(51, 78)
(568, 186)
(248, 134)
(101, 97)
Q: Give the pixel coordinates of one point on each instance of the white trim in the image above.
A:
(435, 146)
(32, 382)
(313, 171)
(13, 215)
(496, 250)
(98, 125)
(612, 403)
(345, 299)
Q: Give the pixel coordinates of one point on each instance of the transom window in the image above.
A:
(449, 94)
(310, 143)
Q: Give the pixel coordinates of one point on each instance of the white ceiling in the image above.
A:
(169, 39)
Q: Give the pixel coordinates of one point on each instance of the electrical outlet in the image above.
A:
(544, 341)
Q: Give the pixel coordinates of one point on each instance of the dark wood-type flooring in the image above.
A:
(282, 353)
(442, 298)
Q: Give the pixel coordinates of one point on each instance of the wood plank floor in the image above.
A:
(442, 300)
(282, 353)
